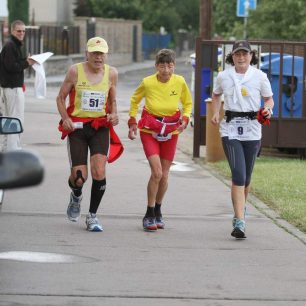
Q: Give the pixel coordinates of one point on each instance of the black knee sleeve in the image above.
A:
(79, 176)
(77, 191)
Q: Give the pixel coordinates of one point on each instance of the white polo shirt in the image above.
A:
(242, 93)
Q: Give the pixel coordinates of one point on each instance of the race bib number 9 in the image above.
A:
(92, 101)
(239, 128)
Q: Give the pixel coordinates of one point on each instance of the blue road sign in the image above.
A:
(243, 7)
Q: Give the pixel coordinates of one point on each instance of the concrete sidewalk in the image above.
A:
(136, 67)
(56, 80)
(193, 261)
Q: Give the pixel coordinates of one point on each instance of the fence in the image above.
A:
(285, 66)
(56, 39)
(1, 34)
(151, 42)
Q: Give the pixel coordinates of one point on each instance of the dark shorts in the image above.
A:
(81, 139)
(164, 149)
(241, 156)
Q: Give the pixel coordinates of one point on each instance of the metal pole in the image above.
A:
(205, 33)
(205, 18)
(246, 7)
(245, 35)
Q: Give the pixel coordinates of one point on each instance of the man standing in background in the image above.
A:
(12, 65)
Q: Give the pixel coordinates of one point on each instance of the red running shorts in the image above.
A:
(164, 149)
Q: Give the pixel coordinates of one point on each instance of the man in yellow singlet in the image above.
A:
(88, 122)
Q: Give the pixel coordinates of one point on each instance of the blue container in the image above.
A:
(154, 41)
(290, 107)
(205, 89)
(205, 82)
(265, 57)
(205, 85)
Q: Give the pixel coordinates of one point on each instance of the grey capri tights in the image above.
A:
(241, 157)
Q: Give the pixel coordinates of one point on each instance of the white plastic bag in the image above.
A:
(40, 85)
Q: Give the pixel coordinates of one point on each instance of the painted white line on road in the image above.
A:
(41, 257)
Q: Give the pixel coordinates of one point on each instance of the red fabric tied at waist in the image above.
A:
(159, 125)
(116, 147)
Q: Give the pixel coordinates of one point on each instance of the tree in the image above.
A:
(114, 8)
(160, 16)
(188, 13)
(278, 19)
(170, 14)
(83, 8)
(272, 19)
(224, 18)
(18, 10)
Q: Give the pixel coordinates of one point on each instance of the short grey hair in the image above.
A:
(16, 23)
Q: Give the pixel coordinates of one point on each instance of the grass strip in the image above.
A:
(280, 184)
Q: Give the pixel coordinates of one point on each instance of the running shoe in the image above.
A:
(149, 224)
(160, 222)
(239, 229)
(235, 219)
(92, 223)
(74, 208)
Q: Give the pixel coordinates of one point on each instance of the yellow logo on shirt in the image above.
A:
(244, 91)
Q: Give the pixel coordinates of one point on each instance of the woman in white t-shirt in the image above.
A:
(243, 87)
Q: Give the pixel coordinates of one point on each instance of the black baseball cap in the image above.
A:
(241, 45)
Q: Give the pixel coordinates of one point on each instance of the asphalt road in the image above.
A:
(47, 260)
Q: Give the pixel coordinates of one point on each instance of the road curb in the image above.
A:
(258, 204)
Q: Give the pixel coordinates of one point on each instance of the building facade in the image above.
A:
(55, 12)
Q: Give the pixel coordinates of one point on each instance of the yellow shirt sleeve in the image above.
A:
(162, 99)
(186, 100)
(136, 98)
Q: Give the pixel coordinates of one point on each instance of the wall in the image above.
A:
(58, 65)
(118, 33)
(55, 12)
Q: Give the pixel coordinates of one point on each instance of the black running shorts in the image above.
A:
(81, 139)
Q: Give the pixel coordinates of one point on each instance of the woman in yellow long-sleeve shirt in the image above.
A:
(166, 113)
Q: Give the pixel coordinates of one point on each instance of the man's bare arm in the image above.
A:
(112, 94)
(67, 85)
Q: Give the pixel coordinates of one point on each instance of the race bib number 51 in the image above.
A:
(239, 128)
(92, 101)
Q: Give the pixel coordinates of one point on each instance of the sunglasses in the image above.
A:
(20, 31)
